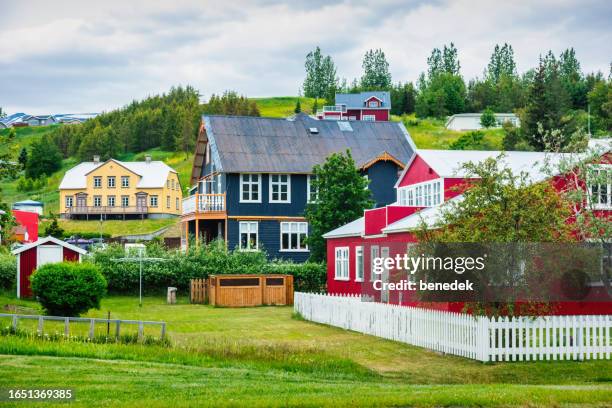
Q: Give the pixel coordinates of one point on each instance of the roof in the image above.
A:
(47, 240)
(254, 144)
(353, 228)
(152, 175)
(477, 114)
(29, 202)
(357, 100)
(430, 216)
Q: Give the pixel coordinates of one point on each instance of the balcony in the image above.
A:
(335, 108)
(106, 210)
(205, 204)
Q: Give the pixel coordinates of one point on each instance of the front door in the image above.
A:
(141, 201)
(81, 200)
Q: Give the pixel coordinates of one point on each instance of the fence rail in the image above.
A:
(480, 338)
(92, 324)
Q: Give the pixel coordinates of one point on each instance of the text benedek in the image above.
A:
(421, 285)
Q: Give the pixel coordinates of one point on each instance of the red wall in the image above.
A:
(379, 114)
(418, 172)
(353, 112)
(29, 221)
(70, 255)
(27, 264)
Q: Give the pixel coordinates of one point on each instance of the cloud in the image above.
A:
(70, 56)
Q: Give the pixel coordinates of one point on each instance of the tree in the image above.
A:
(298, 106)
(376, 75)
(230, 103)
(45, 159)
(315, 106)
(321, 80)
(68, 288)
(342, 196)
(600, 101)
(487, 119)
(403, 97)
(23, 157)
(572, 79)
(2, 113)
(444, 95)
(501, 63)
(53, 229)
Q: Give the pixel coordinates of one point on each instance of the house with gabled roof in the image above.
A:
(118, 189)
(252, 176)
(367, 105)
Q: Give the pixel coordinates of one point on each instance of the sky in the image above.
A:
(85, 56)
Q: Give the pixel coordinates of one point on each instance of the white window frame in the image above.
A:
(359, 272)
(251, 183)
(168, 202)
(299, 226)
(97, 181)
(108, 181)
(279, 183)
(309, 191)
(341, 264)
(249, 226)
(374, 253)
(123, 203)
(373, 104)
(109, 199)
(154, 201)
(125, 181)
(425, 194)
(368, 118)
(69, 201)
(97, 198)
(599, 205)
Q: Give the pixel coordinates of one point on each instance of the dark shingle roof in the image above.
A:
(253, 144)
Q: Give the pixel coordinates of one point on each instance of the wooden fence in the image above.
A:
(480, 338)
(198, 291)
(116, 323)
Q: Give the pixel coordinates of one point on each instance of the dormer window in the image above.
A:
(373, 104)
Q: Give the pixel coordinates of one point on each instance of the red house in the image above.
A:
(43, 251)
(26, 229)
(373, 106)
(426, 183)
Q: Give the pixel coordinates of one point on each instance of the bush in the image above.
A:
(68, 288)
(8, 270)
(473, 140)
(307, 277)
(487, 119)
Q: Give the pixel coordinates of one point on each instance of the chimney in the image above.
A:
(148, 158)
(96, 159)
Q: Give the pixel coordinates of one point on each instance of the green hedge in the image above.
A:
(178, 267)
(8, 270)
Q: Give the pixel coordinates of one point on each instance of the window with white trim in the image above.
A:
(68, 201)
(125, 181)
(168, 202)
(125, 201)
(369, 118)
(342, 263)
(427, 194)
(153, 199)
(97, 182)
(373, 104)
(97, 201)
(373, 254)
(311, 191)
(293, 236)
(110, 181)
(110, 201)
(600, 186)
(280, 188)
(359, 264)
(249, 240)
(250, 188)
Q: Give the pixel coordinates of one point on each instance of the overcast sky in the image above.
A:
(73, 56)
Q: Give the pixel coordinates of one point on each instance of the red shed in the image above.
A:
(36, 254)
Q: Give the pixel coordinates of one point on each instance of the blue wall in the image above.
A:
(383, 176)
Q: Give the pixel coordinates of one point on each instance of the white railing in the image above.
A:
(189, 204)
(204, 203)
(336, 108)
(480, 338)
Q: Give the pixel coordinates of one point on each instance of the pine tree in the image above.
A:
(298, 106)
(23, 157)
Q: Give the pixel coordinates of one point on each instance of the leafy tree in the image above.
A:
(501, 63)
(376, 75)
(600, 101)
(403, 98)
(23, 157)
(474, 140)
(342, 197)
(487, 119)
(68, 288)
(298, 106)
(315, 106)
(450, 59)
(8, 169)
(444, 95)
(45, 159)
(512, 136)
(572, 79)
(53, 229)
(321, 80)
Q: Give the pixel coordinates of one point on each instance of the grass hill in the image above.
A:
(283, 106)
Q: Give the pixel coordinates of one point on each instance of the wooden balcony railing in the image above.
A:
(204, 203)
(88, 210)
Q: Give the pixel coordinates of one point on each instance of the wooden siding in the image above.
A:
(383, 176)
(263, 290)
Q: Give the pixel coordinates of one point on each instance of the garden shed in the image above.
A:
(43, 251)
(250, 290)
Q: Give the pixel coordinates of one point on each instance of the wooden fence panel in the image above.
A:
(197, 292)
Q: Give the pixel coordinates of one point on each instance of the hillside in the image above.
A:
(283, 106)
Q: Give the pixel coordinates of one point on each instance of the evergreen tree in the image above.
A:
(45, 159)
(376, 75)
(298, 106)
(342, 196)
(402, 98)
(572, 79)
(487, 119)
(53, 229)
(321, 80)
(23, 157)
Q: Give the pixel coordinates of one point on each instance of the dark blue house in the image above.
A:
(251, 176)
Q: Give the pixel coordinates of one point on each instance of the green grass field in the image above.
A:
(115, 228)
(265, 357)
(283, 106)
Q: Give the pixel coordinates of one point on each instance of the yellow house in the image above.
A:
(115, 189)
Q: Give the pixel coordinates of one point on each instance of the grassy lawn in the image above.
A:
(265, 357)
(113, 227)
(283, 106)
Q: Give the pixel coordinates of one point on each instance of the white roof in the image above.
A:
(153, 174)
(46, 240)
(430, 216)
(353, 228)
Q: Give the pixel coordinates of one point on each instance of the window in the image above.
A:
(153, 201)
(368, 118)
(97, 201)
(68, 201)
(248, 235)
(125, 201)
(250, 188)
(168, 202)
(177, 203)
(110, 180)
(373, 104)
(293, 236)
(342, 263)
(280, 188)
(172, 184)
(97, 182)
(428, 194)
(311, 191)
(367, 179)
(600, 187)
(373, 254)
(168, 183)
(110, 201)
(125, 181)
(359, 264)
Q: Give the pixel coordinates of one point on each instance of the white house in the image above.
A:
(471, 121)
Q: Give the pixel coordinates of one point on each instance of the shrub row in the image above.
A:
(8, 269)
(177, 268)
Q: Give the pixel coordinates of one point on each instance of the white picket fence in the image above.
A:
(480, 338)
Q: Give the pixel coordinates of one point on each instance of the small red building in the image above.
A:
(372, 106)
(26, 230)
(34, 255)
(426, 183)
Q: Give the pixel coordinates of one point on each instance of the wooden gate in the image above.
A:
(198, 290)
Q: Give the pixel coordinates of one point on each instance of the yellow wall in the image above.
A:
(112, 168)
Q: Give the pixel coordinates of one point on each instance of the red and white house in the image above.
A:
(36, 254)
(425, 185)
(372, 106)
